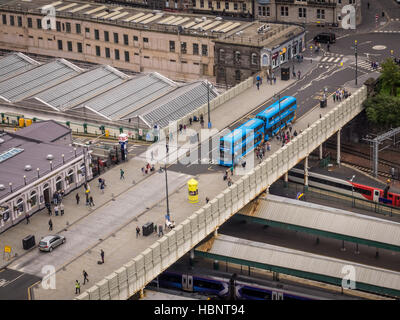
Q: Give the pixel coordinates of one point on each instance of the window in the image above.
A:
(183, 47)
(33, 198)
(29, 22)
(126, 41)
(4, 19)
(221, 55)
(39, 23)
(226, 5)
(235, 6)
(204, 50)
(78, 28)
(68, 27)
(302, 12)
(135, 38)
(79, 47)
(237, 57)
(87, 30)
(194, 3)
(107, 52)
(116, 54)
(96, 34)
(244, 7)
(19, 20)
(284, 11)
(69, 45)
(320, 14)
(12, 22)
(98, 51)
(20, 206)
(126, 56)
(145, 39)
(201, 3)
(237, 75)
(210, 4)
(115, 37)
(58, 26)
(218, 5)
(60, 45)
(172, 46)
(172, 60)
(195, 49)
(254, 59)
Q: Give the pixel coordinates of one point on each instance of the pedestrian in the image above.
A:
(328, 46)
(100, 181)
(268, 146)
(258, 85)
(190, 121)
(102, 255)
(27, 218)
(298, 74)
(274, 79)
(167, 147)
(102, 188)
(180, 128)
(85, 277)
(91, 203)
(295, 133)
(61, 209)
(184, 128)
(137, 231)
(77, 287)
(50, 225)
(294, 74)
(334, 97)
(143, 170)
(56, 210)
(232, 171)
(160, 231)
(77, 198)
(121, 174)
(207, 199)
(87, 199)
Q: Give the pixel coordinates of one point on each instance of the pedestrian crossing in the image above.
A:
(331, 59)
(387, 31)
(365, 65)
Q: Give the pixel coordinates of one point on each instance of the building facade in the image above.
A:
(315, 12)
(261, 48)
(35, 162)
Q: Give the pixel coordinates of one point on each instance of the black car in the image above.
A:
(325, 38)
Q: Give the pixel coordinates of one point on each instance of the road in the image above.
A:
(14, 284)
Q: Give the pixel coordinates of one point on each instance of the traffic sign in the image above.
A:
(7, 249)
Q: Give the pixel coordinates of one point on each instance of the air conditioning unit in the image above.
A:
(50, 157)
(218, 18)
(198, 20)
(28, 167)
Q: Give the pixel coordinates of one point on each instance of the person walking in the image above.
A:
(328, 46)
(121, 174)
(298, 74)
(87, 199)
(61, 209)
(50, 225)
(27, 218)
(137, 231)
(77, 198)
(100, 181)
(102, 188)
(274, 79)
(160, 231)
(207, 200)
(77, 287)
(48, 206)
(85, 277)
(258, 85)
(102, 255)
(91, 203)
(56, 210)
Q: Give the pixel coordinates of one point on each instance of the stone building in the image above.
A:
(259, 47)
(34, 163)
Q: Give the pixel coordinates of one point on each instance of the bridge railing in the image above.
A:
(133, 276)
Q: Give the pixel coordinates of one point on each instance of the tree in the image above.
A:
(383, 110)
(390, 77)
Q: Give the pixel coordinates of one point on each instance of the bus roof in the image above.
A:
(275, 106)
(238, 132)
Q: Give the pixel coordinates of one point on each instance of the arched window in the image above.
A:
(221, 55)
(20, 206)
(70, 176)
(58, 183)
(4, 212)
(33, 198)
(254, 59)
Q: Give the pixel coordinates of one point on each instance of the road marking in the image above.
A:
(330, 59)
(336, 60)
(29, 289)
(324, 59)
(9, 282)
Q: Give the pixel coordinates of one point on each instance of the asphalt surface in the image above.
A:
(14, 284)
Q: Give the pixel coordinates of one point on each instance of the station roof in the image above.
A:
(14, 64)
(331, 222)
(130, 96)
(175, 104)
(84, 86)
(44, 131)
(299, 263)
(36, 80)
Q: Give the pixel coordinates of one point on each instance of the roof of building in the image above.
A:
(18, 151)
(44, 131)
(332, 221)
(175, 104)
(14, 64)
(36, 80)
(84, 86)
(138, 18)
(300, 263)
(130, 96)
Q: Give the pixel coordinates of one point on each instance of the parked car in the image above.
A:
(48, 243)
(325, 37)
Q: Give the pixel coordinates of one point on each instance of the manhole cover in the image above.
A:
(379, 47)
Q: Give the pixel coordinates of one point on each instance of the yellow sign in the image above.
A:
(193, 191)
(7, 249)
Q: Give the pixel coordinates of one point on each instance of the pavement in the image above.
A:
(139, 198)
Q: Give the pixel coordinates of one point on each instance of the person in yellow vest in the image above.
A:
(77, 287)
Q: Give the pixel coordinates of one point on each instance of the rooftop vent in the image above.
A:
(1, 140)
(49, 157)
(28, 167)
(2, 187)
(218, 18)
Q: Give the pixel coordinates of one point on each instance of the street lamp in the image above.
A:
(166, 180)
(208, 104)
(352, 190)
(355, 53)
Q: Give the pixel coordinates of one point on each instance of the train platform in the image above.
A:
(300, 264)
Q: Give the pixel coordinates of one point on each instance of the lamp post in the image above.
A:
(352, 190)
(51, 165)
(10, 184)
(38, 172)
(25, 179)
(355, 53)
(166, 180)
(208, 104)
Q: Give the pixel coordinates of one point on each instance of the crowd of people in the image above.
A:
(340, 94)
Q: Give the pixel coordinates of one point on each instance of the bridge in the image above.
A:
(133, 276)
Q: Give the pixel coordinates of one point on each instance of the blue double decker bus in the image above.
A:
(236, 144)
(267, 123)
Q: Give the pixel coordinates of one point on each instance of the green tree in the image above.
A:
(383, 110)
(390, 77)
